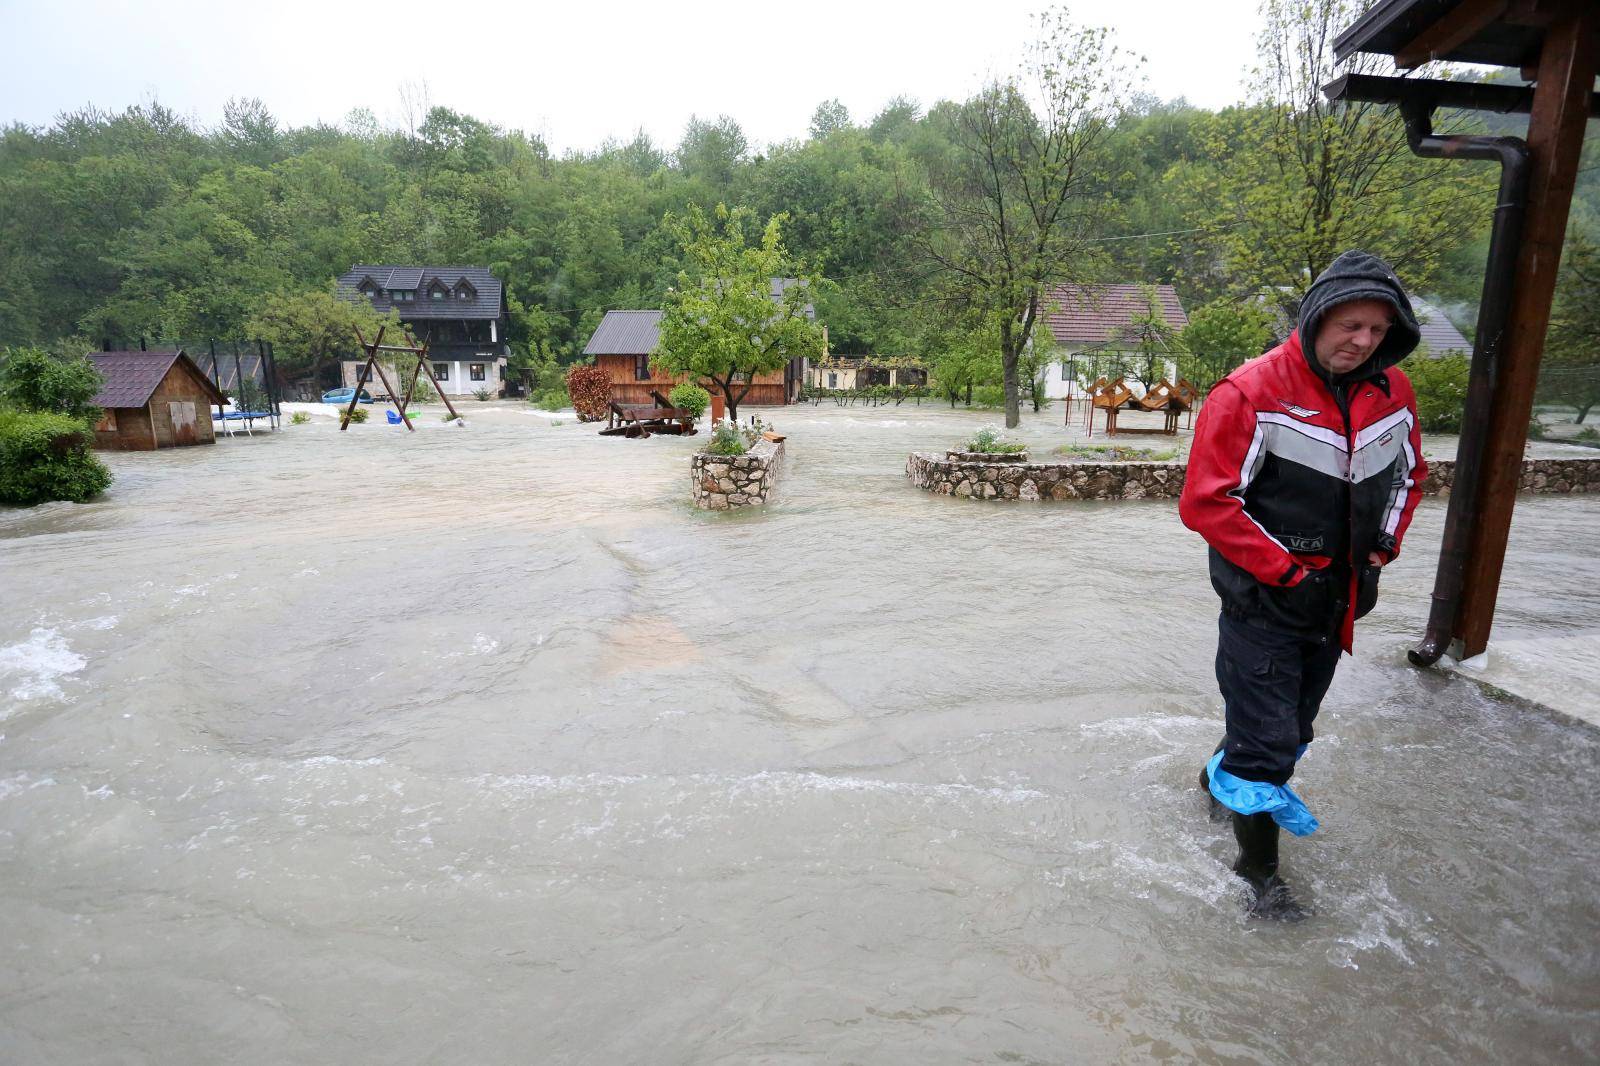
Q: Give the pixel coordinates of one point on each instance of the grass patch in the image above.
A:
(1113, 453)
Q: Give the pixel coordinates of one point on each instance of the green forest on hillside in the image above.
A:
(117, 225)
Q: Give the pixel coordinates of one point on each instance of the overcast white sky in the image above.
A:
(576, 72)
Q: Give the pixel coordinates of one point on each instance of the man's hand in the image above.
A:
(1375, 559)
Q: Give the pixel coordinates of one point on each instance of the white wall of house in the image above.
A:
(458, 385)
(832, 378)
(1057, 373)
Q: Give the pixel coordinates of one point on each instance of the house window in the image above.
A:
(833, 380)
(441, 371)
(1066, 370)
(641, 368)
(465, 294)
(476, 370)
(402, 296)
(502, 371)
(437, 294)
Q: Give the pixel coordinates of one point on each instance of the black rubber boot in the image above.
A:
(1218, 812)
(1257, 835)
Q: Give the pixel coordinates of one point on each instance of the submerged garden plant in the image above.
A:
(726, 439)
(988, 439)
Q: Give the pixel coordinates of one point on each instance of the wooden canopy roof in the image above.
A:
(1503, 33)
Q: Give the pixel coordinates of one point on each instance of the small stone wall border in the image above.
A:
(1148, 480)
(725, 482)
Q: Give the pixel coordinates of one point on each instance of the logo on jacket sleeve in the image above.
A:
(1298, 411)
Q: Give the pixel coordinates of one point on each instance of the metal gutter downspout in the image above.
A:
(1499, 278)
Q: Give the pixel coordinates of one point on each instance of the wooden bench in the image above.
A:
(642, 419)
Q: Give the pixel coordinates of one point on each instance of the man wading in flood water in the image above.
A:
(1304, 473)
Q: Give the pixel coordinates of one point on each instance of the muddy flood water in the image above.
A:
(482, 745)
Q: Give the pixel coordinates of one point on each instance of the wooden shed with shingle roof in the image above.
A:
(152, 400)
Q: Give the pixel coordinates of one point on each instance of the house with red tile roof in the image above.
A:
(1092, 319)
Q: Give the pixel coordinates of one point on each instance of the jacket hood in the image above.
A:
(1359, 276)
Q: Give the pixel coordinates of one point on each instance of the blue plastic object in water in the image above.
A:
(394, 417)
(1254, 797)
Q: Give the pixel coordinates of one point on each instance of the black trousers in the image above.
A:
(1272, 687)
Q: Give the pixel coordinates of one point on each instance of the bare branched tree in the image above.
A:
(1021, 191)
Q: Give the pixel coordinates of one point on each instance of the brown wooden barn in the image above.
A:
(153, 400)
(624, 340)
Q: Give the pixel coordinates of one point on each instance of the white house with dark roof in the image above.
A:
(460, 311)
(1099, 317)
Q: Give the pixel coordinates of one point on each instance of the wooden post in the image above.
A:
(390, 389)
(1567, 65)
(361, 378)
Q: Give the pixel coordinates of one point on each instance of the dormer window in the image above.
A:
(369, 289)
(465, 291)
(402, 296)
(437, 291)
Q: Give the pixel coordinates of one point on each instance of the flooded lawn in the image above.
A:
(483, 745)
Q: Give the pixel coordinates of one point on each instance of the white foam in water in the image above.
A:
(31, 669)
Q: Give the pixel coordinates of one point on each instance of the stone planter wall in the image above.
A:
(1140, 481)
(986, 457)
(722, 482)
(1045, 481)
(1538, 475)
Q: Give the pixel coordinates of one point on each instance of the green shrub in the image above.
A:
(1536, 430)
(726, 439)
(988, 396)
(554, 398)
(1589, 435)
(46, 457)
(690, 397)
(299, 418)
(1441, 387)
(481, 395)
(248, 396)
(32, 379)
(358, 416)
(988, 439)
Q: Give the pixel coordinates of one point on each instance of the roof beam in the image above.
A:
(1432, 92)
(1450, 32)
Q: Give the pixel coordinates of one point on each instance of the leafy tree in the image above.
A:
(1441, 388)
(1017, 194)
(1221, 335)
(1152, 343)
(1570, 373)
(311, 331)
(712, 152)
(34, 380)
(1292, 180)
(829, 118)
(722, 323)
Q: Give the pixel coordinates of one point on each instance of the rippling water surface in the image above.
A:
(483, 745)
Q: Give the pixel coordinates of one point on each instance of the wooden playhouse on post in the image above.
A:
(153, 400)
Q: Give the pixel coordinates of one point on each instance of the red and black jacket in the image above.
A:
(1294, 480)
